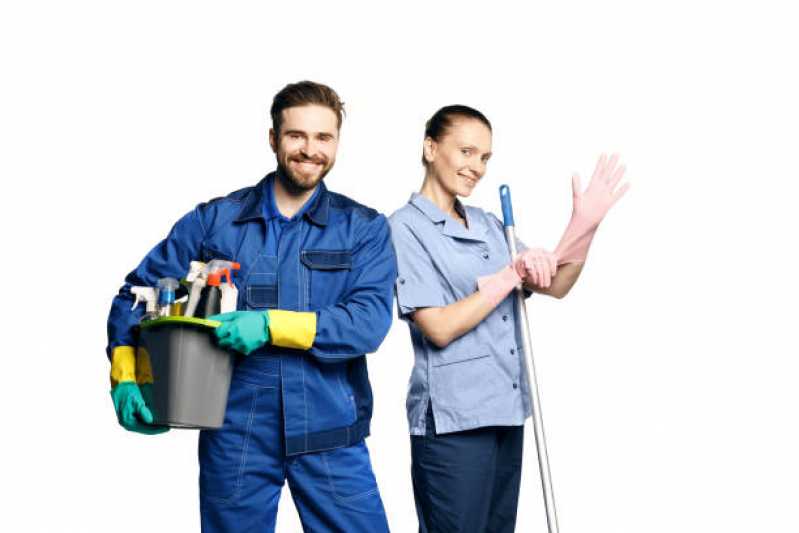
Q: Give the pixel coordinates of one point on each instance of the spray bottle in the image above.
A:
(147, 294)
(230, 294)
(217, 299)
(196, 278)
(166, 296)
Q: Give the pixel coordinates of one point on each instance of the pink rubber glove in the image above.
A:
(495, 287)
(589, 208)
(536, 266)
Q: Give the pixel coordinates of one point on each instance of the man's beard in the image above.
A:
(295, 184)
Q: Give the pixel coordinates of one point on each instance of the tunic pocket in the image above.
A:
(458, 353)
(464, 377)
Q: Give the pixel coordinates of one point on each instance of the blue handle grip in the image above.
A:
(507, 207)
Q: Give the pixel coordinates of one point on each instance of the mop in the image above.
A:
(538, 423)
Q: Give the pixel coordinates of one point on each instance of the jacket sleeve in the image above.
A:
(359, 323)
(169, 258)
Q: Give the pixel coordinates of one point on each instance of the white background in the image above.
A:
(668, 375)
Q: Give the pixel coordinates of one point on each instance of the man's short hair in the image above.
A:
(304, 93)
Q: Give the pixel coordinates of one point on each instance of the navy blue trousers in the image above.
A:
(243, 467)
(468, 481)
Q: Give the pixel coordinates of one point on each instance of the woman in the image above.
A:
(468, 397)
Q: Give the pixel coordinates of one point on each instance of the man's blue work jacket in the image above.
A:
(336, 260)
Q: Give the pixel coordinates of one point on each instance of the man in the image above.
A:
(315, 295)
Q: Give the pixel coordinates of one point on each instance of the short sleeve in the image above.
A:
(418, 282)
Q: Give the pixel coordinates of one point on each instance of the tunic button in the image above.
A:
(485, 255)
(512, 351)
(504, 318)
(402, 281)
(515, 386)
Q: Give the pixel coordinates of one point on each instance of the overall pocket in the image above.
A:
(223, 452)
(261, 287)
(350, 476)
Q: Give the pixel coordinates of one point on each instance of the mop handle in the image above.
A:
(507, 206)
(538, 423)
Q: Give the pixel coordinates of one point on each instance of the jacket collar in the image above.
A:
(258, 204)
(451, 227)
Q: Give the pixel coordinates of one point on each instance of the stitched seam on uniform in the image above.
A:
(316, 450)
(423, 425)
(283, 412)
(308, 253)
(307, 286)
(256, 385)
(200, 220)
(305, 401)
(222, 217)
(343, 499)
(237, 486)
(348, 399)
(256, 262)
(340, 355)
(251, 300)
(256, 371)
(240, 476)
(351, 428)
(300, 239)
(473, 358)
(302, 360)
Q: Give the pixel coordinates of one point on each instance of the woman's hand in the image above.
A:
(590, 207)
(536, 266)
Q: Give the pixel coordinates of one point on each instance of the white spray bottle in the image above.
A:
(147, 294)
(230, 297)
(197, 277)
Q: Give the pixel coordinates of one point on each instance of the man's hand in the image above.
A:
(243, 331)
(132, 407)
(132, 411)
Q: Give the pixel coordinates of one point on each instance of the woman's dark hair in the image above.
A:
(442, 120)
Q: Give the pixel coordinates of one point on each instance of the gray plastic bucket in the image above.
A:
(191, 374)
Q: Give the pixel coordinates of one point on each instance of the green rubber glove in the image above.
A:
(131, 408)
(244, 331)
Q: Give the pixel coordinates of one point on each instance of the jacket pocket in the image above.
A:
(262, 296)
(261, 291)
(325, 279)
(327, 259)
